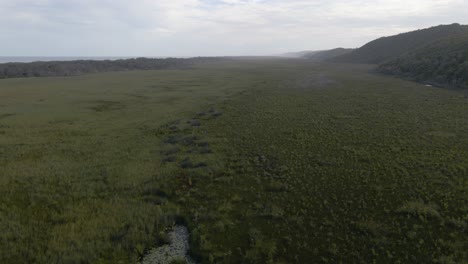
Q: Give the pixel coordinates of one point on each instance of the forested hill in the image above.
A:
(78, 67)
(444, 62)
(327, 54)
(388, 48)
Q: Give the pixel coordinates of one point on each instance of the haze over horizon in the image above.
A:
(183, 28)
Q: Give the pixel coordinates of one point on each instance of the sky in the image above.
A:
(182, 28)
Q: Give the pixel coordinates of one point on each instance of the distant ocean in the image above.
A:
(31, 59)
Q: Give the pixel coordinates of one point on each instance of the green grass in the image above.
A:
(80, 161)
(332, 164)
(273, 161)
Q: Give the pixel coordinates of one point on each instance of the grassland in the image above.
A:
(80, 166)
(273, 161)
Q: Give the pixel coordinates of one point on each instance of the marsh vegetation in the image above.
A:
(265, 161)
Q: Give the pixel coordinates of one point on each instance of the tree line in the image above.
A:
(79, 67)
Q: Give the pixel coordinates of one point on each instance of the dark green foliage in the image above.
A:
(71, 68)
(387, 48)
(178, 261)
(444, 63)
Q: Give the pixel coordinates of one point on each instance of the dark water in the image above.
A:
(5, 59)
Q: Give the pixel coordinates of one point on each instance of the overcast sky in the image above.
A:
(209, 27)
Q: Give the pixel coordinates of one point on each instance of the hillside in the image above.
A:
(442, 63)
(327, 54)
(299, 54)
(388, 48)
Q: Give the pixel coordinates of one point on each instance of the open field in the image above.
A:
(80, 163)
(266, 161)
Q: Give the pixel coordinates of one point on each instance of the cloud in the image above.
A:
(208, 27)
